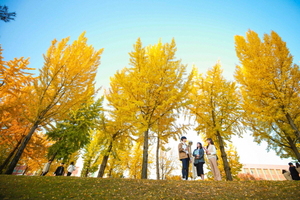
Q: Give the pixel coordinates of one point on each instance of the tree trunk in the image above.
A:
(5, 163)
(293, 125)
(25, 170)
(110, 172)
(162, 172)
(104, 161)
(53, 157)
(294, 148)
(157, 159)
(18, 155)
(106, 156)
(224, 158)
(86, 168)
(145, 155)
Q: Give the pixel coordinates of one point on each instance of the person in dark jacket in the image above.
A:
(60, 170)
(294, 172)
(199, 160)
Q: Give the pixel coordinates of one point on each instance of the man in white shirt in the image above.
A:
(71, 169)
(46, 168)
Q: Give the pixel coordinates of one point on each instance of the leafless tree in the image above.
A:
(5, 15)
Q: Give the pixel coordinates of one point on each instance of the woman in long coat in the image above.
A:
(211, 153)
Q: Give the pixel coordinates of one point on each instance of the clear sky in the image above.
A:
(204, 32)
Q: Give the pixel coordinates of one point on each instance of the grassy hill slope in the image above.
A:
(48, 187)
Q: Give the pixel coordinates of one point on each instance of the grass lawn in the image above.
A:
(49, 187)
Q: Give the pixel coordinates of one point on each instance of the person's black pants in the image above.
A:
(199, 168)
(69, 173)
(43, 173)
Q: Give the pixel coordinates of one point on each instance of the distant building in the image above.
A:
(19, 170)
(265, 172)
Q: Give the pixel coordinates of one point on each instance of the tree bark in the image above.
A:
(86, 169)
(145, 155)
(157, 159)
(25, 170)
(104, 161)
(6, 162)
(224, 158)
(162, 172)
(294, 148)
(106, 156)
(18, 155)
(53, 157)
(110, 172)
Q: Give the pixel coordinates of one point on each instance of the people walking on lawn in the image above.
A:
(71, 169)
(184, 156)
(294, 172)
(287, 175)
(211, 153)
(46, 168)
(199, 160)
(60, 170)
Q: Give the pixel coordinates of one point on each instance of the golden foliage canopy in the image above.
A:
(154, 85)
(269, 83)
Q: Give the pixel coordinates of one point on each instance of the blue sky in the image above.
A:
(204, 30)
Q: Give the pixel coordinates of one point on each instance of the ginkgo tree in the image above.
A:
(217, 111)
(233, 160)
(134, 167)
(116, 137)
(91, 153)
(33, 156)
(65, 82)
(269, 83)
(154, 85)
(72, 134)
(15, 77)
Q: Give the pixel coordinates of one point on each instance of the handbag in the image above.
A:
(197, 158)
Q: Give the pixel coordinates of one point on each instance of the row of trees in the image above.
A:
(146, 103)
(29, 104)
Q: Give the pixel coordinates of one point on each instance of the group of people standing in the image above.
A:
(198, 154)
(60, 171)
(211, 153)
(293, 173)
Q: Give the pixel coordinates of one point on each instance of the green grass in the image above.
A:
(48, 187)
